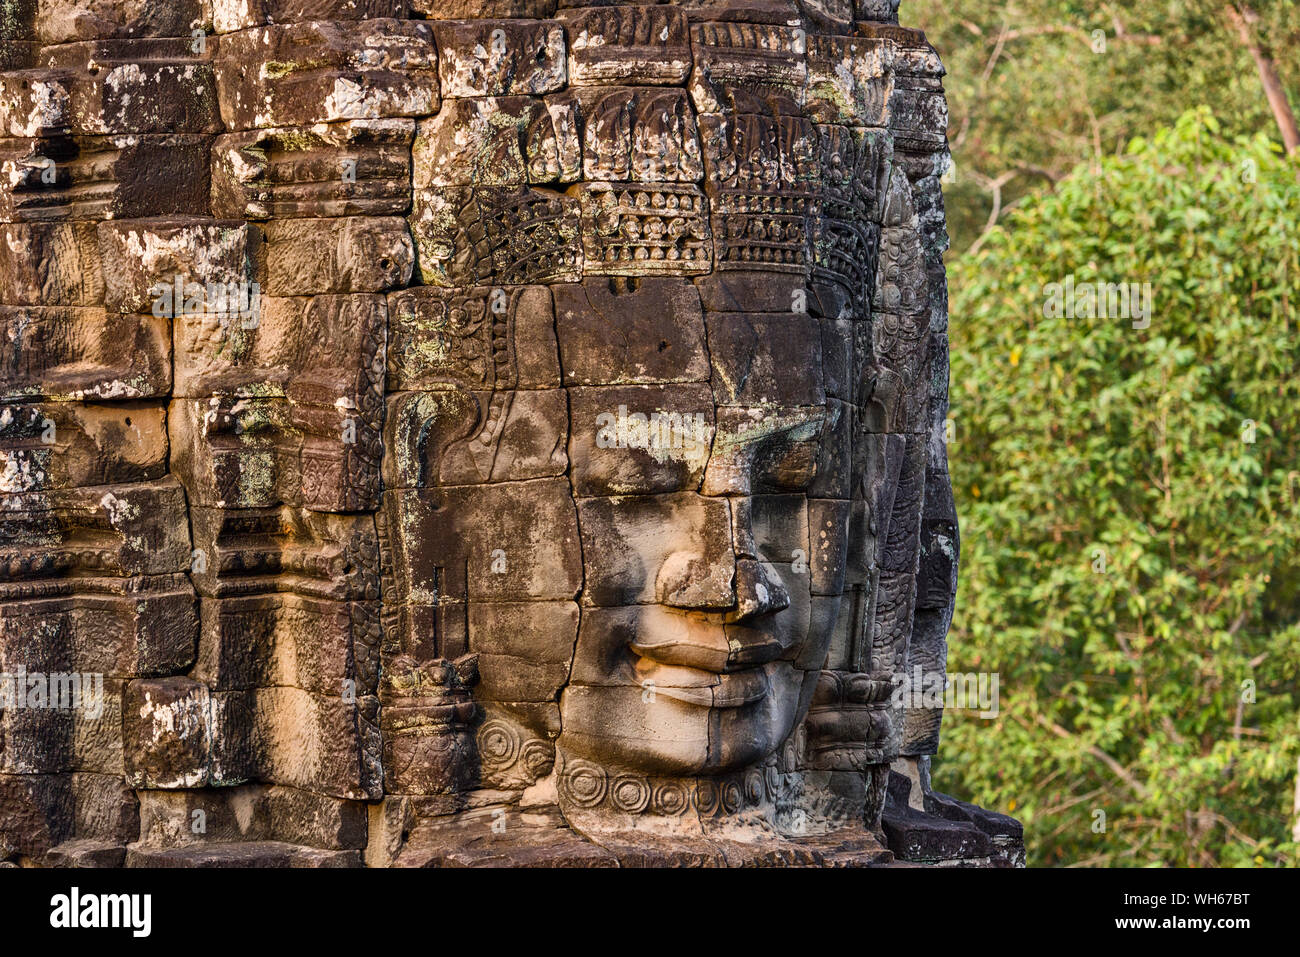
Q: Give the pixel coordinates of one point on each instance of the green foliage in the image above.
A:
(1122, 688)
(1036, 86)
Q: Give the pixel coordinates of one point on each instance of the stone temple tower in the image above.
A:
(506, 432)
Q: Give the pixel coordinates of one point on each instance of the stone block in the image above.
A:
(486, 57)
(325, 71)
(351, 168)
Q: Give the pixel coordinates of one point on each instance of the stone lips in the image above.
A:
(369, 542)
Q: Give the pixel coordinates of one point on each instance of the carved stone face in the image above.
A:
(698, 625)
(694, 550)
(644, 423)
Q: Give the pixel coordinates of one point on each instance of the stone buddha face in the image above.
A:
(659, 397)
(697, 503)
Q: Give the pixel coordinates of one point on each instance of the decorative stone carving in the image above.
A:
(353, 168)
(495, 433)
(627, 44)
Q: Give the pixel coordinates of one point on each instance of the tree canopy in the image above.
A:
(1037, 86)
(1130, 503)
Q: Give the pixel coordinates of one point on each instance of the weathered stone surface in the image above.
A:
(758, 449)
(351, 168)
(639, 439)
(508, 236)
(136, 86)
(42, 812)
(745, 374)
(616, 332)
(743, 11)
(524, 650)
(103, 177)
(643, 44)
(243, 552)
(238, 452)
(471, 841)
(169, 729)
(290, 640)
(86, 853)
(849, 80)
(66, 21)
(326, 744)
(181, 735)
(116, 531)
(644, 230)
(756, 290)
(312, 349)
(738, 63)
(19, 54)
(68, 445)
(230, 16)
(498, 141)
(483, 57)
(762, 174)
(36, 813)
(353, 254)
(460, 9)
(50, 264)
(288, 410)
(622, 546)
(427, 713)
(928, 827)
(918, 111)
(162, 267)
(479, 339)
(119, 628)
(325, 71)
(82, 355)
(531, 525)
(69, 722)
(639, 134)
(850, 722)
(35, 103)
(460, 438)
(884, 11)
(275, 854)
(253, 812)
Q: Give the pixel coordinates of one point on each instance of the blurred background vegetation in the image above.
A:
(1130, 497)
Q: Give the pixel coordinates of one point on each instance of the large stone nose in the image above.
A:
(758, 591)
(744, 588)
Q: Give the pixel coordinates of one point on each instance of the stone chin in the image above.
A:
(683, 737)
(657, 692)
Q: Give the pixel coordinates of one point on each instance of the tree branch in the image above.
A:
(1137, 787)
(1242, 18)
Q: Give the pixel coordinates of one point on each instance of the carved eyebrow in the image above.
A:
(798, 423)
